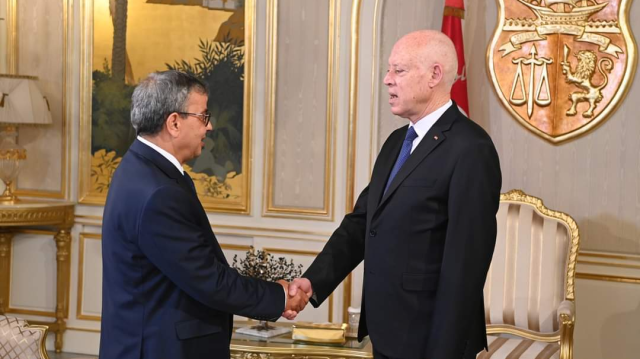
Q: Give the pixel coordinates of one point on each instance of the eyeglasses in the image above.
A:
(204, 117)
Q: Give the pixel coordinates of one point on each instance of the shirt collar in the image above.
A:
(424, 124)
(164, 154)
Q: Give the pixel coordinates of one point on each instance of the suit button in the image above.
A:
(373, 233)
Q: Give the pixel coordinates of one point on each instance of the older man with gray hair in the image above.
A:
(168, 291)
(425, 226)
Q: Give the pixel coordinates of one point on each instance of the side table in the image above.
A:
(283, 347)
(38, 214)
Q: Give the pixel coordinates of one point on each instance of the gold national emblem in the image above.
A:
(562, 66)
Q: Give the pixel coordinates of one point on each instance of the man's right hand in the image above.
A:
(301, 284)
(295, 303)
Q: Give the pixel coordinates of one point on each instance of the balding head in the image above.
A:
(422, 68)
(430, 47)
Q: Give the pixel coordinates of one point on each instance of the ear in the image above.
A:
(173, 125)
(436, 75)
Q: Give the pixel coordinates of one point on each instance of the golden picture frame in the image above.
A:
(168, 34)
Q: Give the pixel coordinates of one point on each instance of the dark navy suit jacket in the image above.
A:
(426, 243)
(168, 291)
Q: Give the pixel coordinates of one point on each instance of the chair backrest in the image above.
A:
(533, 266)
(19, 340)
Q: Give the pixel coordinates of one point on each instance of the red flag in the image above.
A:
(452, 27)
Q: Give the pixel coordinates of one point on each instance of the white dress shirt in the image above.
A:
(424, 124)
(164, 154)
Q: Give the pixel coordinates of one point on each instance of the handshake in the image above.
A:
(298, 293)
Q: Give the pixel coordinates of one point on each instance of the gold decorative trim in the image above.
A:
(12, 36)
(235, 247)
(354, 54)
(608, 278)
(270, 209)
(375, 83)
(454, 11)
(567, 324)
(247, 125)
(306, 352)
(12, 76)
(6, 238)
(87, 216)
(610, 264)
(61, 193)
(238, 234)
(84, 142)
(39, 214)
(527, 334)
(13, 154)
(218, 227)
(301, 252)
(627, 257)
(79, 308)
(518, 196)
(40, 232)
(84, 330)
(40, 313)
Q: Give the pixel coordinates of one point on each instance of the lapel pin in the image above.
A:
(435, 138)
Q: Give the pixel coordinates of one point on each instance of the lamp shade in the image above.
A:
(21, 102)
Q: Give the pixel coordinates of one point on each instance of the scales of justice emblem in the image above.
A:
(562, 66)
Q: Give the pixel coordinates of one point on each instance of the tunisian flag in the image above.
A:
(452, 27)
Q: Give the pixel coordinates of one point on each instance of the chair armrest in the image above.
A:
(566, 320)
(566, 311)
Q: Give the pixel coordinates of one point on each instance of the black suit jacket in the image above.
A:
(426, 243)
(168, 291)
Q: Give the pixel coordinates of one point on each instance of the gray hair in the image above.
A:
(158, 96)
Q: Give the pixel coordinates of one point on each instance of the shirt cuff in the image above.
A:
(285, 299)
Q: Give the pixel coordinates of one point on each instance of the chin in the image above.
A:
(397, 112)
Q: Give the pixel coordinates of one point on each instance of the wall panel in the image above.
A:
(33, 273)
(299, 156)
(41, 52)
(89, 302)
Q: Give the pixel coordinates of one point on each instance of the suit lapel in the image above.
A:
(161, 162)
(156, 158)
(384, 165)
(172, 172)
(432, 139)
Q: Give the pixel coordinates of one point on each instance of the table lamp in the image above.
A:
(21, 102)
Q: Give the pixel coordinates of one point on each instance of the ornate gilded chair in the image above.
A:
(19, 340)
(529, 292)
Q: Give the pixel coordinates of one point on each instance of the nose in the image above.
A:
(209, 126)
(387, 79)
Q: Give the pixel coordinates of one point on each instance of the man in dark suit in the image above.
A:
(425, 226)
(168, 291)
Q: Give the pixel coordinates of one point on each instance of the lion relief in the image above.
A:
(582, 78)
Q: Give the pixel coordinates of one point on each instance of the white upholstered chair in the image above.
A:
(19, 340)
(529, 292)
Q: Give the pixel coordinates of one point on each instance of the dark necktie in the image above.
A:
(404, 154)
(190, 182)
